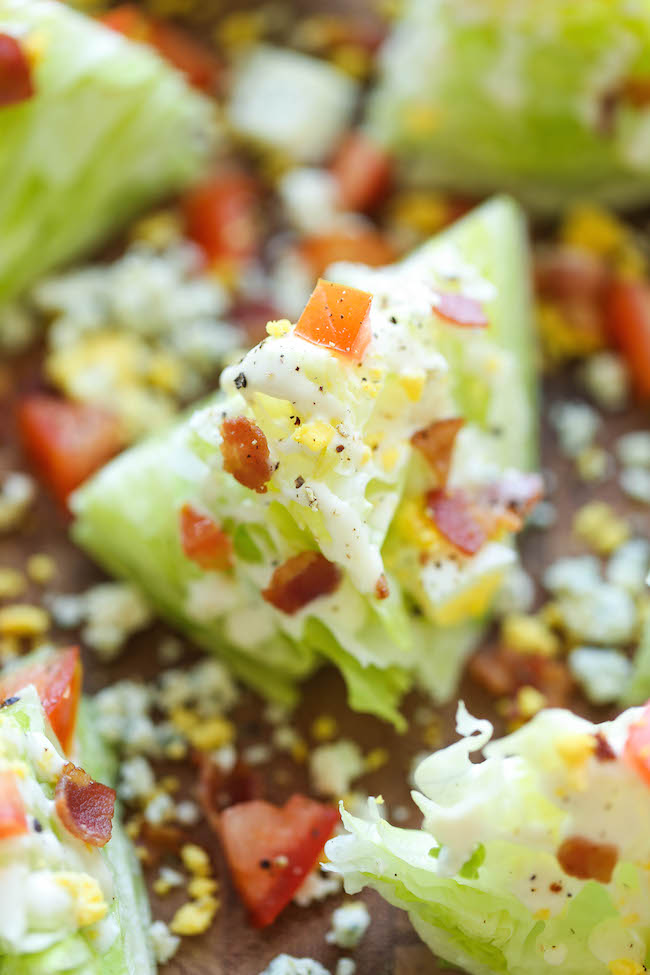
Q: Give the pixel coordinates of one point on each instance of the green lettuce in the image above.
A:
(111, 128)
(533, 98)
(485, 882)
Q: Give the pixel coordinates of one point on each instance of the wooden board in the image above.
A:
(232, 947)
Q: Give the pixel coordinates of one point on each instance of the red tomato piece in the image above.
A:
(452, 515)
(637, 746)
(67, 441)
(337, 317)
(300, 580)
(628, 321)
(460, 310)
(85, 807)
(16, 83)
(13, 821)
(582, 858)
(363, 172)
(57, 679)
(363, 245)
(222, 216)
(245, 452)
(436, 443)
(271, 850)
(203, 540)
(194, 60)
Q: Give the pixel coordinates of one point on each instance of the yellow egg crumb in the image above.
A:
(575, 750)
(22, 619)
(626, 966)
(376, 759)
(315, 436)
(89, 905)
(195, 917)
(529, 701)
(159, 230)
(200, 887)
(196, 860)
(353, 59)
(413, 384)
(324, 727)
(41, 568)
(425, 213)
(598, 524)
(299, 751)
(278, 328)
(542, 915)
(594, 229)
(389, 459)
(212, 733)
(529, 634)
(12, 583)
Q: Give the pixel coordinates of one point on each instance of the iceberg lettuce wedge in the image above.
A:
(345, 488)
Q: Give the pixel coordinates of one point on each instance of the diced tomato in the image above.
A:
(363, 245)
(628, 321)
(57, 679)
(637, 746)
(271, 850)
(300, 580)
(587, 860)
(13, 821)
(337, 317)
(203, 540)
(436, 443)
(67, 441)
(245, 452)
(222, 216)
(460, 310)
(363, 172)
(570, 272)
(16, 83)
(454, 518)
(194, 60)
(85, 807)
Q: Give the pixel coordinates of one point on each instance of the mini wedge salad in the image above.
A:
(71, 895)
(534, 860)
(363, 471)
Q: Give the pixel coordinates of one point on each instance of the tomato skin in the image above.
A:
(454, 518)
(13, 821)
(637, 746)
(203, 540)
(271, 850)
(16, 83)
(221, 216)
(200, 67)
(363, 172)
(336, 317)
(67, 441)
(57, 679)
(360, 246)
(627, 311)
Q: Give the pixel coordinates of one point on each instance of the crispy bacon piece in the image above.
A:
(301, 579)
(454, 518)
(460, 310)
(517, 492)
(582, 858)
(381, 587)
(564, 272)
(603, 751)
(16, 84)
(85, 807)
(637, 91)
(436, 443)
(203, 540)
(245, 453)
(502, 672)
(218, 789)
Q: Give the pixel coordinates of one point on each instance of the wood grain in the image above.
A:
(232, 947)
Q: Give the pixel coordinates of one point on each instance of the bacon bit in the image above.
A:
(245, 452)
(586, 860)
(167, 838)
(381, 587)
(637, 92)
(218, 789)
(460, 310)
(454, 518)
(204, 541)
(566, 272)
(603, 751)
(436, 443)
(16, 84)
(300, 580)
(85, 807)
(502, 672)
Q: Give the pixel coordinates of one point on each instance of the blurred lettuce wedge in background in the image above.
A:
(111, 128)
(549, 101)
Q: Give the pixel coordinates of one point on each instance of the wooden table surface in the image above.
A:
(232, 947)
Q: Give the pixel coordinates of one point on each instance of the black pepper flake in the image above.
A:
(297, 368)
(265, 864)
(296, 422)
(339, 448)
(393, 320)
(299, 481)
(37, 826)
(10, 700)
(240, 381)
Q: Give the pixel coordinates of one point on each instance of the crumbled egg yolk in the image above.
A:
(89, 904)
(22, 619)
(600, 527)
(470, 602)
(626, 966)
(593, 229)
(529, 634)
(278, 328)
(413, 384)
(315, 436)
(196, 860)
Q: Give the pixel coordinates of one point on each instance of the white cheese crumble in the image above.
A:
(316, 887)
(288, 965)
(633, 449)
(17, 495)
(605, 378)
(635, 482)
(111, 613)
(345, 966)
(575, 424)
(603, 674)
(349, 924)
(333, 768)
(164, 943)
